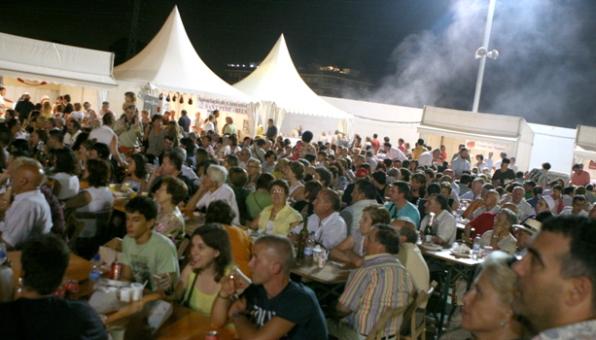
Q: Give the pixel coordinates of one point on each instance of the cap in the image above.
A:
(406, 219)
(531, 226)
(362, 172)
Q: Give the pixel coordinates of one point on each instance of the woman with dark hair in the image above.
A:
(210, 259)
(97, 198)
(440, 220)
(169, 192)
(278, 218)
(293, 174)
(324, 176)
(311, 190)
(37, 145)
(136, 172)
(220, 212)
(66, 183)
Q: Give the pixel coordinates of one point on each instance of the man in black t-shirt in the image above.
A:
(503, 175)
(272, 307)
(37, 314)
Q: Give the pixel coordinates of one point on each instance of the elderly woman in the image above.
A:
(500, 237)
(169, 192)
(440, 219)
(279, 217)
(214, 187)
(487, 312)
(293, 174)
(351, 250)
(253, 167)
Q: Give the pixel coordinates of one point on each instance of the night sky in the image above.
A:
(359, 34)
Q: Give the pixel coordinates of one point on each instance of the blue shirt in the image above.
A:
(408, 210)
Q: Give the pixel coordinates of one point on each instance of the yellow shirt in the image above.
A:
(285, 219)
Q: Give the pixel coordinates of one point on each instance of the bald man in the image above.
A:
(29, 213)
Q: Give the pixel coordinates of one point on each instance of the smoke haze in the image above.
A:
(546, 70)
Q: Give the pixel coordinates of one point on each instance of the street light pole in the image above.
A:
(483, 53)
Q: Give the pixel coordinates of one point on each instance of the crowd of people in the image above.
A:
(368, 201)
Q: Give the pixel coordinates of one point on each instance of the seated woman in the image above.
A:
(351, 250)
(220, 212)
(500, 237)
(64, 178)
(96, 198)
(311, 190)
(279, 217)
(441, 221)
(170, 191)
(487, 312)
(136, 172)
(293, 174)
(210, 259)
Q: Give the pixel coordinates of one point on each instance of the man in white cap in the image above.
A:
(525, 232)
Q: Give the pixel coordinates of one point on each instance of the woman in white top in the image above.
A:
(500, 237)
(293, 174)
(440, 219)
(95, 199)
(65, 180)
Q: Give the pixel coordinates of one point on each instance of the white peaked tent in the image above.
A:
(287, 99)
(170, 63)
(480, 132)
(585, 149)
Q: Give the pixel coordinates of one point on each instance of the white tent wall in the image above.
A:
(317, 125)
(481, 132)
(393, 121)
(585, 149)
(554, 145)
(78, 94)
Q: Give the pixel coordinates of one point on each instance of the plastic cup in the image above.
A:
(125, 294)
(137, 291)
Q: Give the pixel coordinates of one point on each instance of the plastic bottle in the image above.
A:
(476, 247)
(96, 271)
(308, 249)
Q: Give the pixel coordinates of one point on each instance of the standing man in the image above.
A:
(273, 306)
(184, 121)
(461, 163)
(579, 176)
(557, 280)
(271, 132)
(129, 130)
(503, 175)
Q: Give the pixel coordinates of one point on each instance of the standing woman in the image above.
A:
(293, 174)
(210, 258)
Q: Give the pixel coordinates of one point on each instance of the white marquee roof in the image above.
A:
(44, 60)
(170, 62)
(277, 80)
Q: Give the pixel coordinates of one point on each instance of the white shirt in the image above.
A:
(78, 115)
(70, 139)
(29, 215)
(69, 185)
(101, 200)
(446, 227)
(209, 126)
(411, 257)
(524, 210)
(225, 193)
(328, 232)
(396, 154)
(425, 159)
(103, 134)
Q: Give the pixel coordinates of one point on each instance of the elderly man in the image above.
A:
(214, 188)
(328, 227)
(524, 209)
(475, 191)
(382, 275)
(483, 218)
(363, 195)
(399, 205)
(525, 232)
(557, 280)
(29, 213)
(37, 313)
(273, 306)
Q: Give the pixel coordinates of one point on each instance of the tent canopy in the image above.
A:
(586, 137)
(170, 62)
(44, 60)
(277, 80)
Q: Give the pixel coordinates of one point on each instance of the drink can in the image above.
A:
(212, 335)
(72, 286)
(116, 271)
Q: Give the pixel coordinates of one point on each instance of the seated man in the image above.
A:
(273, 306)
(36, 313)
(29, 213)
(328, 227)
(148, 256)
(559, 264)
(382, 275)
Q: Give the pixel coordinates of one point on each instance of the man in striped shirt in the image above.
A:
(381, 283)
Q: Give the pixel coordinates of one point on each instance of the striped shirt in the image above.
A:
(381, 283)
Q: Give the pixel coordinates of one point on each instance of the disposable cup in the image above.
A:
(137, 291)
(125, 294)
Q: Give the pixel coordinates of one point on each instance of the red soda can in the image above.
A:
(116, 271)
(72, 286)
(212, 335)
